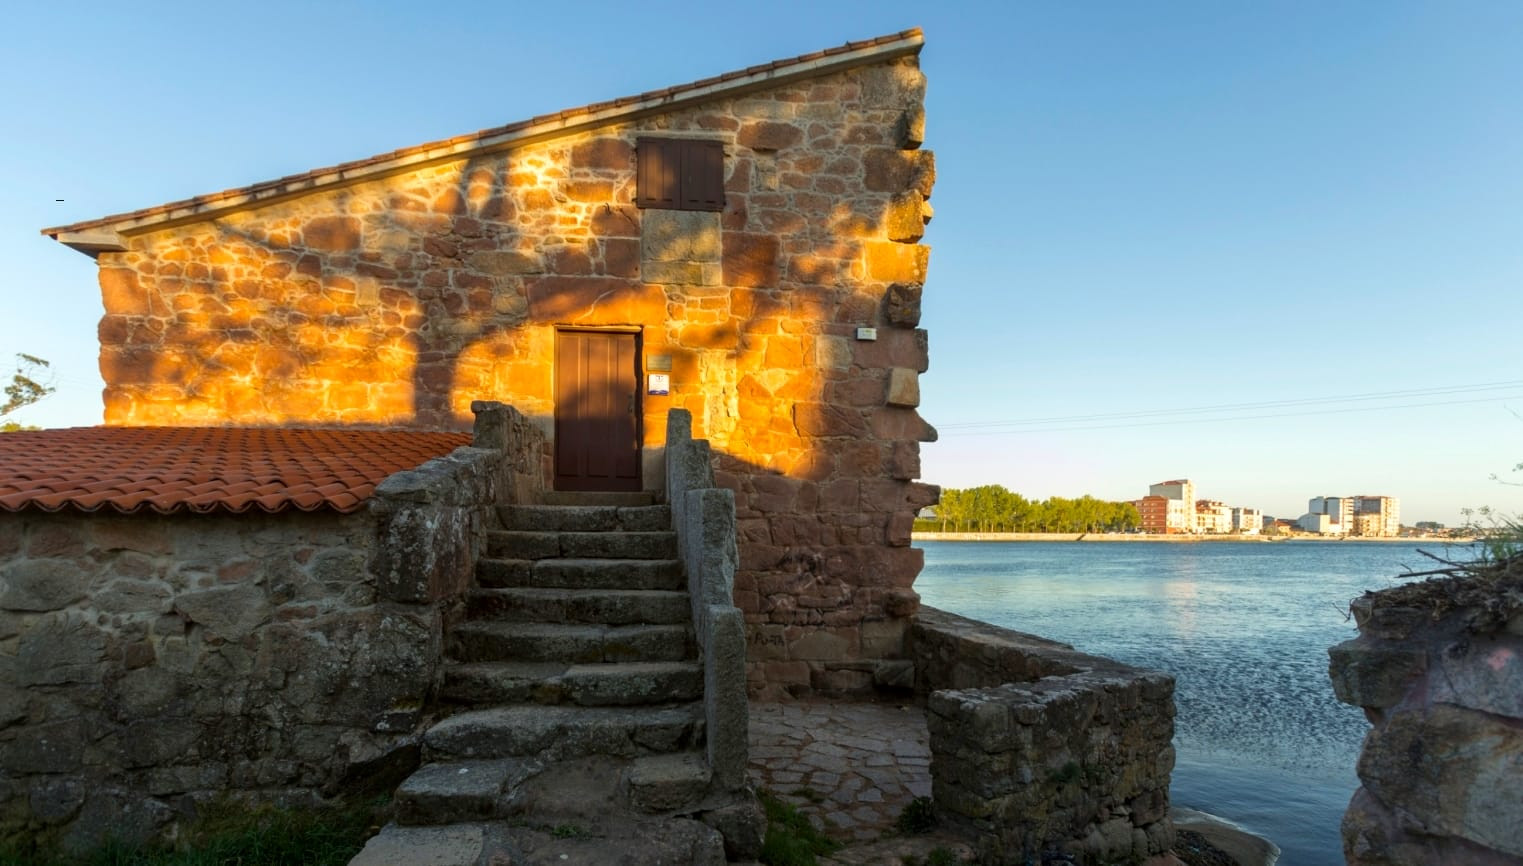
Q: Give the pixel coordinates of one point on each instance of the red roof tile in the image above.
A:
(461, 145)
(206, 469)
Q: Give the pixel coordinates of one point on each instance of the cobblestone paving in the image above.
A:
(850, 767)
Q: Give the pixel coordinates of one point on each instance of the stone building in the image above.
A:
(744, 247)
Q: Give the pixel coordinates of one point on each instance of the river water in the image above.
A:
(1243, 626)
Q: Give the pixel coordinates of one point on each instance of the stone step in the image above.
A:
(537, 839)
(585, 518)
(452, 791)
(607, 606)
(603, 684)
(520, 544)
(447, 793)
(664, 574)
(597, 497)
(479, 641)
(553, 733)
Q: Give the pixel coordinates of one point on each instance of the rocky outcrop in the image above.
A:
(1438, 670)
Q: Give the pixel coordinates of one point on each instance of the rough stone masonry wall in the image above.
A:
(1038, 750)
(397, 302)
(149, 663)
(1438, 669)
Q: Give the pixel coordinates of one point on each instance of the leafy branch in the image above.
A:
(31, 382)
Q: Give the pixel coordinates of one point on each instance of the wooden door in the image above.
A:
(597, 410)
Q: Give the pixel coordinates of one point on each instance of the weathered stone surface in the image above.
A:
(1457, 772)
(742, 825)
(903, 387)
(454, 845)
(905, 219)
(60, 648)
(750, 260)
(668, 783)
(903, 304)
(1374, 675)
(768, 135)
(454, 792)
(614, 154)
(331, 233)
(1440, 769)
(1479, 674)
(41, 584)
(228, 612)
(51, 747)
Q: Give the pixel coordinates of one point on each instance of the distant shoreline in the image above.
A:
(1186, 539)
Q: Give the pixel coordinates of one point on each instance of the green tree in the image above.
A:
(25, 389)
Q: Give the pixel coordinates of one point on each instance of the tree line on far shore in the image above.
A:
(992, 508)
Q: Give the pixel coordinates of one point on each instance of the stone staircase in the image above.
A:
(576, 692)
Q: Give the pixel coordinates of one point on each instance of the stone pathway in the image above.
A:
(850, 767)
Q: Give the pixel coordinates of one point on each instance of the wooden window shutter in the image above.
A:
(658, 173)
(702, 175)
(679, 174)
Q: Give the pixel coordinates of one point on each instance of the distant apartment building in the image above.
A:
(1213, 517)
(1247, 521)
(1378, 516)
(1329, 515)
(1154, 511)
(1368, 516)
(1177, 501)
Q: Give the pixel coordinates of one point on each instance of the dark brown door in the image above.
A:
(597, 410)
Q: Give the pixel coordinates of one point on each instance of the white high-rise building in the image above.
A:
(1180, 494)
(1377, 516)
(1247, 521)
(1339, 511)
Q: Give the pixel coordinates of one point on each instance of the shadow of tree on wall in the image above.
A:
(396, 302)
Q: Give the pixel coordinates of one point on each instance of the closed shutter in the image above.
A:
(679, 174)
(702, 175)
(658, 173)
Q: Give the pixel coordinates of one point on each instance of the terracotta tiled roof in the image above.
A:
(560, 122)
(206, 469)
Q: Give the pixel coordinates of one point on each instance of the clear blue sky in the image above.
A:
(1141, 207)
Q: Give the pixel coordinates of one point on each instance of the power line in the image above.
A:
(1234, 407)
(1230, 418)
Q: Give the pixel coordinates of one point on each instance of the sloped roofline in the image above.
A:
(108, 233)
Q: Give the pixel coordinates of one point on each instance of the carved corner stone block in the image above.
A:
(904, 304)
(903, 387)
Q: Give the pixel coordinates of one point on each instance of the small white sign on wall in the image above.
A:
(660, 384)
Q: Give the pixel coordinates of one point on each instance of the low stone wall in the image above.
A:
(1438, 670)
(1038, 750)
(704, 517)
(149, 663)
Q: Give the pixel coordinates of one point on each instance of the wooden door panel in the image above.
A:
(597, 411)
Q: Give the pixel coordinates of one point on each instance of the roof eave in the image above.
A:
(109, 234)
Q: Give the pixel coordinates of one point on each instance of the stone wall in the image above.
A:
(704, 518)
(150, 662)
(1438, 670)
(1038, 750)
(399, 301)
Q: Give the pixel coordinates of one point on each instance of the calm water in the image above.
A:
(1244, 627)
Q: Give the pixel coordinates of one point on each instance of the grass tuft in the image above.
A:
(918, 817)
(234, 834)
(791, 840)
